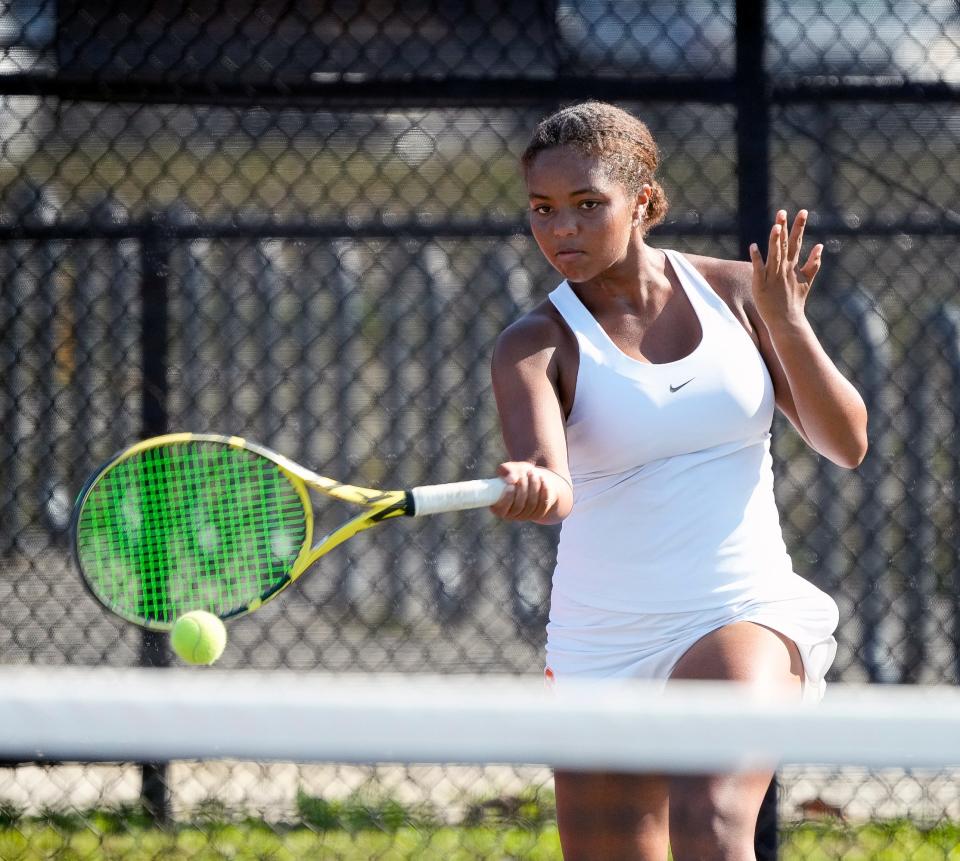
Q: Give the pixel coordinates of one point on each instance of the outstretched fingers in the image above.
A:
(796, 236)
(810, 269)
(780, 283)
(756, 258)
(764, 269)
(775, 249)
(783, 245)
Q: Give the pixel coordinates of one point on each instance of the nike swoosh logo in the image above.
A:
(677, 388)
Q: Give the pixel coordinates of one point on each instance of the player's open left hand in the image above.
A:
(781, 284)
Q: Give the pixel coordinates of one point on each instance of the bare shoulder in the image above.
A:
(539, 332)
(537, 350)
(729, 278)
(731, 281)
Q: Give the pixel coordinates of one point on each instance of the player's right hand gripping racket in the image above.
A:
(203, 522)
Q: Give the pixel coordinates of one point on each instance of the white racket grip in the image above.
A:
(458, 496)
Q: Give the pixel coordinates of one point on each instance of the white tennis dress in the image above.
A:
(674, 530)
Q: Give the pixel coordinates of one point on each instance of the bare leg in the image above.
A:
(713, 817)
(621, 817)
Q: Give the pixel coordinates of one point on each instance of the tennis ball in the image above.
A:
(198, 637)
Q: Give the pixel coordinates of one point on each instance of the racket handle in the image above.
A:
(458, 496)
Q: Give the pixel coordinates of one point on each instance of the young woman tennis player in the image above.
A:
(636, 405)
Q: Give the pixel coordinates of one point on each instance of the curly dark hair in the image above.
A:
(622, 143)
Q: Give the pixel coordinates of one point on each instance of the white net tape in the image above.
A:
(172, 714)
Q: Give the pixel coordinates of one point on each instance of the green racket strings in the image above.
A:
(189, 526)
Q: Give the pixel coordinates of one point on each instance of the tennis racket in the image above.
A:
(204, 522)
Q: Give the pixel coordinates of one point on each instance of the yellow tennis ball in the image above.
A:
(198, 637)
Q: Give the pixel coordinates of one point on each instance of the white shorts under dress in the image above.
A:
(589, 643)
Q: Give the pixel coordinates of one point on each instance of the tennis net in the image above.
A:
(138, 763)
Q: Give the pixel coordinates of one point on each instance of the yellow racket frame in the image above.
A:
(379, 505)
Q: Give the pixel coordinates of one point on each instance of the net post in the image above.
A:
(154, 318)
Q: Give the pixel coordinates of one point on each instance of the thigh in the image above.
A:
(745, 652)
(714, 815)
(609, 815)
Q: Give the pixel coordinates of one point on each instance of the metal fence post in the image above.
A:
(154, 319)
(944, 326)
(938, 337)
(753, 127)
(753, 194)
(873, 605)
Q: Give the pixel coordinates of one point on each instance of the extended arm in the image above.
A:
(525, 378)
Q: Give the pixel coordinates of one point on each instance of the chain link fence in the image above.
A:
(304, 224)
